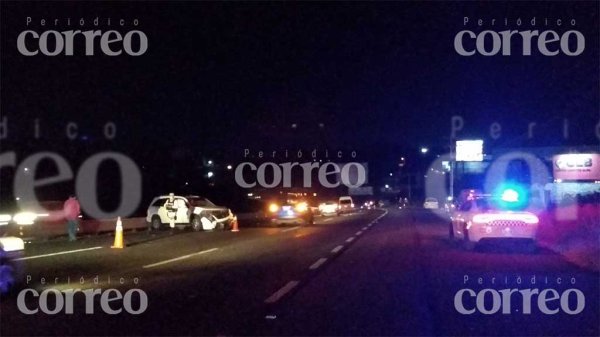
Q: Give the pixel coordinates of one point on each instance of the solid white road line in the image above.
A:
(318, 263)
(290, 229)
(350, 239)
(179, 258)
(337, 249)
(281, 292)
(54, 254)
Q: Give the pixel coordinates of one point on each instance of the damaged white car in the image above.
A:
(197, 212)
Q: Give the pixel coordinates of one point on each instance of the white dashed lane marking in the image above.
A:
(59, 253)
(290, 229)
(281, 292)
(179, 258)
(337, 249)
(318, 263)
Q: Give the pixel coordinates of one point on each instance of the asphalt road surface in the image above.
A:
(381, 272)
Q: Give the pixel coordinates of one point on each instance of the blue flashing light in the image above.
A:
(511, 197)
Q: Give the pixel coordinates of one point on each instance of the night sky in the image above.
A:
(217, 78)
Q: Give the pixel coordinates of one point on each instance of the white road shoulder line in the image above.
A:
(290, 229)
(58, 253)
(281, 292)
(179, 258)
(318, 263)
(337, 249)
(350, 239)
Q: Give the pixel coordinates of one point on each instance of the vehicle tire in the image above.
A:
(197, 223)
(155, 223)
(467, 243)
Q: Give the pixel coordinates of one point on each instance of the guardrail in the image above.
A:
(46, 230)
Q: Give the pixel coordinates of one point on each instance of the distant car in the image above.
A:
(194, 211)
(291, 212)
(328, 208)
(479, 219)
(31, 223)
(431, 203)
(369, 204)
(11, 270)
(346, 205)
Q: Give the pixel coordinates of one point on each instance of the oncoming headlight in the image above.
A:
(24, 218)
(11, 244)
(4, 219)
(301, 207)
(273, 208)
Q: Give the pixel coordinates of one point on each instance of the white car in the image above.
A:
(477, 219)
(195, 211)
(431, 203)
(328, 208)
(346, 205)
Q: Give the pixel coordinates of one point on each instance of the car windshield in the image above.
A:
(201, 202)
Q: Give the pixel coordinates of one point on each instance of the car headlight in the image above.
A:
(301, 207)
(273, 208)
(24, 218)
(12, 244)
(4, 219)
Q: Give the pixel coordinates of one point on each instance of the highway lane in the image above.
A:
(402, 277)
(200, 283)
(352, 275)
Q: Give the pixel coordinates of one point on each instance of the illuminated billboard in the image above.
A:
(469, 150)
(576, 166)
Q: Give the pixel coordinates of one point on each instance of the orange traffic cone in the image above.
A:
(118, 235)
(234, 225)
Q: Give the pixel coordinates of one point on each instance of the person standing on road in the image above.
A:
(72, 209)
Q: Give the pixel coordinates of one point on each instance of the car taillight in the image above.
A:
(530, 219)
(482, 218)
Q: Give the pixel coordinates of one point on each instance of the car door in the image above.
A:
(181, 211)
(162, 210)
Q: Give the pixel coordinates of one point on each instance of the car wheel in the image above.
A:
(197, 223)
(156, 224)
